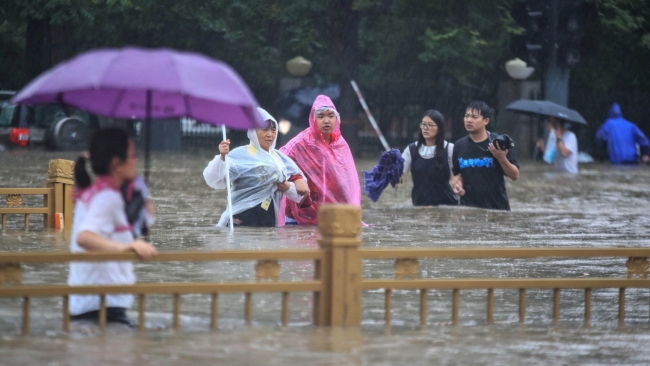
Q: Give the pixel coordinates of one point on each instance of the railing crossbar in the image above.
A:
(196, 256)
(26, 191)
(160, 288)
(505, 253)
(24, 211)
(505, 283)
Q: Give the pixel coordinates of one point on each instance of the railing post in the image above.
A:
(340, 299)
(61, 178)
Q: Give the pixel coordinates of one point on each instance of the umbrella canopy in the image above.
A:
(115, 83)
(148, 83)
(546, 108)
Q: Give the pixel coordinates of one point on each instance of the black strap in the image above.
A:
(134, 206)
(491, 137)
(413, 149)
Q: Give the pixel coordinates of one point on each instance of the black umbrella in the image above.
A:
(546, 108)
(295, 105)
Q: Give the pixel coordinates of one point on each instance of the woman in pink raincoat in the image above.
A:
(325, 158)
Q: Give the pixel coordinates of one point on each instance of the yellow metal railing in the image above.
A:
(338, 284)
(407, 266)
(15, 204)
(505, 253)
(267, 268)
(57, 197)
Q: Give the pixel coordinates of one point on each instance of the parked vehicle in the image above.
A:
(53, 126)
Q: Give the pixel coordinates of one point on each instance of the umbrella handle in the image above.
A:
(228, 189)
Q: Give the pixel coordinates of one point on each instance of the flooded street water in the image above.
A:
(602, 207)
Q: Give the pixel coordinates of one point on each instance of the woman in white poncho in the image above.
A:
(259, 176)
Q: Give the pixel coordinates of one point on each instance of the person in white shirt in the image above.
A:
(260, 175)
(565, 158)
(100, 224)
(429, 160)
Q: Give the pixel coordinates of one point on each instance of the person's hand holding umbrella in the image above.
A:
(557, 126)
(557, 130)
(224, 149)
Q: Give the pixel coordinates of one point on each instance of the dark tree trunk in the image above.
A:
(344, 46)
(37, 50)
(46, 45)
(63, 45)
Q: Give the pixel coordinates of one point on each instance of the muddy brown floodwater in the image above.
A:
(602, 207)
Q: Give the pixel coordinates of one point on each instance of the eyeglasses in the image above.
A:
(428, 126)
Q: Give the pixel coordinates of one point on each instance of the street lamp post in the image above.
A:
(556, 80)
(516, 125)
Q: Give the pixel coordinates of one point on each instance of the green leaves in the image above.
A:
(407, 56)
(457, 51)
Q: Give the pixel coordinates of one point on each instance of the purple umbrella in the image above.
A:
(144, 83)
(141, 83)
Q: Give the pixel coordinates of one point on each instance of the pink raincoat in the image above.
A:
(331, 174)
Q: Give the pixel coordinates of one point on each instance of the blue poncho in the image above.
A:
(621, 137)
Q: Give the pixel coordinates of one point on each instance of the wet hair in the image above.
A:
(441, 155)
(558, 122)
(103, 146)
(269, 124)
(481, 107)
(324, 109)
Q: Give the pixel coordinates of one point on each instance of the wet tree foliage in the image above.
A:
(407, 56)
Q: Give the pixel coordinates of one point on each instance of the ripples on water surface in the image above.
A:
(602, 207)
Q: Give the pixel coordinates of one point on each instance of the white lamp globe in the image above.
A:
(518, 70)
(284, 126)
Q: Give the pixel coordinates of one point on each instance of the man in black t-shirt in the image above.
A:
(479, 166)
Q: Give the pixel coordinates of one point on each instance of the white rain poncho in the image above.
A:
(254, 175)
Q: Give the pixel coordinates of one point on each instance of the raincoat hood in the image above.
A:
(322, 102)
(252, 133)
(615, 111)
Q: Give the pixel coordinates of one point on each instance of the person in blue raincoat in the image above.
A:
(621, 137)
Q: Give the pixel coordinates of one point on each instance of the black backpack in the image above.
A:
(133, 203)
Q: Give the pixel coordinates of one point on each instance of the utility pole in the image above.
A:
(556, 80)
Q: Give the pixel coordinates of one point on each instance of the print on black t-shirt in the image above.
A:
(476, 163)
(482, 174)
